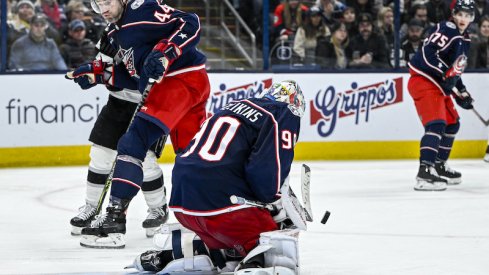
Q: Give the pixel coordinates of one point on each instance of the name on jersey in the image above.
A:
(330, 105)
(244, 110)
(224, 95)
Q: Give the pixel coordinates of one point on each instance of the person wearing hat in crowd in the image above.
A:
(94, 24)
(412, 41)
(288, 18)
(77, 49)
(307, 35)
(332, 51)
(35, 51)
(420, 12)
(368, 48)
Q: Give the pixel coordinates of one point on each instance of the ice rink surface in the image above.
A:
(378, 224)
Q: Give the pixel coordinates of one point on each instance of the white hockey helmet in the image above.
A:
(288, 91)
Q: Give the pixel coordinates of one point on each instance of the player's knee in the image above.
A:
(101, 158)
(138, 139)
(452, 128)
(437, 128)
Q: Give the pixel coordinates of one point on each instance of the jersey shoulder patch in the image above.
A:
(451, 25)
(136, 4)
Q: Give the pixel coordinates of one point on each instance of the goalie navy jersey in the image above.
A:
(245, 149)
(144, 23)
(440, 50)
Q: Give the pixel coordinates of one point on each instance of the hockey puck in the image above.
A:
(325, 217)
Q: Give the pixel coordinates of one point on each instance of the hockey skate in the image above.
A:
(486, 157)
(451, 176)
(83, 219)
(156, 217)
(428, 180)
(107, 230)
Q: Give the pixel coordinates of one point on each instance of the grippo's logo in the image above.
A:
(329, 105)
(224, 95)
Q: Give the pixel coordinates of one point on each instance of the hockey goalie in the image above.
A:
(231, 194)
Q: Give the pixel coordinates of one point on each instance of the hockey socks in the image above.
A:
(430, 143)
(128, 175)
(447, 141)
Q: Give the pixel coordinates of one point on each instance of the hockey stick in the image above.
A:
(108, 182)
(477, 114)
(305, 190)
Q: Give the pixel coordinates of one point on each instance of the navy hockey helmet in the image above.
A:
(464, 5)
(288, 91)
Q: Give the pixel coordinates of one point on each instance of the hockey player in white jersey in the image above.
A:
(236, 198)
(110, 125)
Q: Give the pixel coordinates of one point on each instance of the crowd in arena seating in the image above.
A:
(326, 34)
(343, 34)
(51, 35)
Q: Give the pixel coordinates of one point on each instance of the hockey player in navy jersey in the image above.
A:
(245, 149)
(435, 79)
(154, 42)
(111, 124)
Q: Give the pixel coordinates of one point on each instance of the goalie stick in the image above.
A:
(477, 114)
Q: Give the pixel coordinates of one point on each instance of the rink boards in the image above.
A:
(46, 120)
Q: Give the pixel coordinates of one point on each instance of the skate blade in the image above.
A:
(453, 181)
(112, 241)
(423, 185)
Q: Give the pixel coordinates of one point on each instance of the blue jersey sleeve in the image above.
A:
(271, 158)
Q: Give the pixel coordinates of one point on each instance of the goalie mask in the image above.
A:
(288, 91)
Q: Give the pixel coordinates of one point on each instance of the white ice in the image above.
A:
(378, 223)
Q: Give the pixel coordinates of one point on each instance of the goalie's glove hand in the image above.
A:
(88, 75)
(159, 59)
(465, 100)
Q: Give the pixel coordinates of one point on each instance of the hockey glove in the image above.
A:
(465, 100)
(448, 83)
(159, 59)
(90, 74)
(104, 46)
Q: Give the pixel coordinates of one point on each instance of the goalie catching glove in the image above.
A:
(90, 74)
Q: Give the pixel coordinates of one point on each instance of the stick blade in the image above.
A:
(305, 190)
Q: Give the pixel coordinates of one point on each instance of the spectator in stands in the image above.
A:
(411, 43)
(77, 10)
(420, 12)
(307, 35)
(331, 10)
(385, 27)
(481, 9)
(368, 48)
(287, 18)
(438, 11)
(332, 51)
(362, 6)
(77, 49)
(54, 12)
(20, 25)
(349, 18)
(35, 51)
(479, 57)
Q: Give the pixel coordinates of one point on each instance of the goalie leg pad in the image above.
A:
(280, 249)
